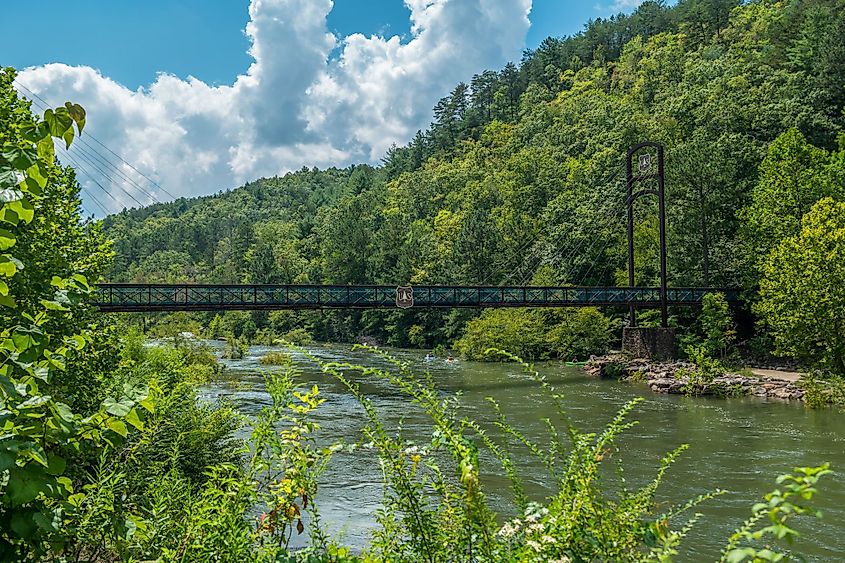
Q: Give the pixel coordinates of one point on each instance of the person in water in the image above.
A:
(450, 359)
(429, 357)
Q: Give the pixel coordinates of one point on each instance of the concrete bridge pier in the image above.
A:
(652, 343)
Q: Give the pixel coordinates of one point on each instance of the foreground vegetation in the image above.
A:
(106, 453)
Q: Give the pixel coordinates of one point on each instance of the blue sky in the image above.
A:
(204, 95)
(133, 41)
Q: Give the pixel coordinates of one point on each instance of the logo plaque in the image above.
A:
(404, 297)
(645, 162)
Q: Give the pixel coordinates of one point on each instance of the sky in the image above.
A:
(199, 96)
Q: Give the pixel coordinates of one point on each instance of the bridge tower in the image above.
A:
(647, 342)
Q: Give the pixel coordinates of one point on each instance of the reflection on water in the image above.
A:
(739, 445)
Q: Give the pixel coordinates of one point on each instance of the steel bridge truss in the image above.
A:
(114, 297)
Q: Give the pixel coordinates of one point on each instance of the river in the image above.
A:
(739, 445)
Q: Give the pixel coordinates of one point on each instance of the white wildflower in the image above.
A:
(507, 530)
(547, 539)
(536, 546)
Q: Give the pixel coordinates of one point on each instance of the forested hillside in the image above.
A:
(520, 177)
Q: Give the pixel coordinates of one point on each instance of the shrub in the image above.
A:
(435, 507)
(522, 331)
(236, 348)
(821, 390)
(275, 358)
(579, 333)
(716, 325)
(298, 337)
(536, 334)
(705, 371)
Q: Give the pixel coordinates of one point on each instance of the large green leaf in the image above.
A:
(53, 305)
(59, 121)
(24, 209)
(22, 523)
(36, 178)
(48, 521)
(26, 338)
(56, 465)
(46, 150)
(77, 113)
(9, 191)
(118, 408)
(25, 483)
(118, 427)
(20, 157)
(35, 132)
(133, 419)
(7, 239)
(9, 265)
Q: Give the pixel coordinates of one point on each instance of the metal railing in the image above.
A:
(196, 297)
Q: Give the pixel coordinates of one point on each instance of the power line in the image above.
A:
(93, 198)
(78, 166)
(105, 176)
(84, 155)
(99, 159)
(123, 160)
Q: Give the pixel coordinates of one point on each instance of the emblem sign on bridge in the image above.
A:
(404, 297)
(645, 162)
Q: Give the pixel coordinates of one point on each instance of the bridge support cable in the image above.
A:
(589, 251)
(611, 213)
(523, 270)
(574, 246)
(585, 277)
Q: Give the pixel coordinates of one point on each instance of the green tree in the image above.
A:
(802, 293)
(716, 325)
(793, 176)
(39, 432)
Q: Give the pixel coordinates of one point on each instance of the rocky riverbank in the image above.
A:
(684, 378)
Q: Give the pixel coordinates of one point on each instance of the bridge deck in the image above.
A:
(117, 297)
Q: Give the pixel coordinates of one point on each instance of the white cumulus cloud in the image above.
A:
(294, 106)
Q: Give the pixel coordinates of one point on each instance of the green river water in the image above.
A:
(739, 445)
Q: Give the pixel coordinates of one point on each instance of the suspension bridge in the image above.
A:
(147, 297)
(119, 297)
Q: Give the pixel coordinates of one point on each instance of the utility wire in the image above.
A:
(93, 158)
(101, 144)
(108, 164)
(84, 158)
(83, 155)
(93, 198)
(79, 167)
